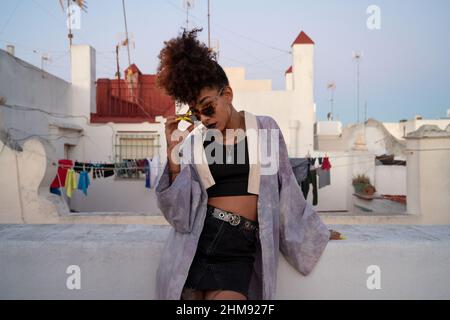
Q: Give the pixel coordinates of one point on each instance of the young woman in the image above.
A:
(229, 218)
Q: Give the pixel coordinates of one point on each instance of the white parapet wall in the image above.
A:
(120, 262)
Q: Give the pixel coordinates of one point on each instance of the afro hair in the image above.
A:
(187, 66)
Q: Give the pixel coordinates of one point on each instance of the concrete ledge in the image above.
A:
(120, 262)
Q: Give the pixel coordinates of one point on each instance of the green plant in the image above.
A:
(362, 184)
(360, 178)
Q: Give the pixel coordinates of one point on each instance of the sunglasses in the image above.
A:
(210, 108)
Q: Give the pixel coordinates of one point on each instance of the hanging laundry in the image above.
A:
(320, 161)
(132, 171)
(56, 191)
(120, 169)
(60, 179)
(108, 170)
(324, 177)
(300, 167)
(326, 165)
(82, 166)
(154, 169)
(83, 182)
(98, 171)
(78, 166)
(140, 164)
(311, 179)
(148, 184)
(71, 182)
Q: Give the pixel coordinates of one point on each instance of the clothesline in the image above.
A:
(93, 166)
(49, 161)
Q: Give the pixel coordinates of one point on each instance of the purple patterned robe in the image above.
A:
(287, 223)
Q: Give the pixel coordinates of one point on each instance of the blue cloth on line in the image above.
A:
(56, 191)
(83, 182)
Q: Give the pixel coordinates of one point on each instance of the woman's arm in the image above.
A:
(303, 235)
(179, 196)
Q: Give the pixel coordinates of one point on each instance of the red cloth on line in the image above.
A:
(326, 165)
(60, 179)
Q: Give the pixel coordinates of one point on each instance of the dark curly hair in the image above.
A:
(187, 66)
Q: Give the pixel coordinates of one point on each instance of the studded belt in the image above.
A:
(233, 219)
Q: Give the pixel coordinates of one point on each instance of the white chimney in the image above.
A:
(303, 67)
(11, 49)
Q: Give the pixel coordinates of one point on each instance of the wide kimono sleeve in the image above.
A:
(303, 235)
(181, 200)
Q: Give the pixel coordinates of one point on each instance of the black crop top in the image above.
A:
(231, 179)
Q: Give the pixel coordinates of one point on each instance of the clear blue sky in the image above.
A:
(405, 69)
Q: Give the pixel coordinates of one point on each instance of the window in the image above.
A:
(131, 146)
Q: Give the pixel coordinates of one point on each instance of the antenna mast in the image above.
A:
(127, 41)
(188, 4)
(357, 56)
(209, 27)
(331, 86)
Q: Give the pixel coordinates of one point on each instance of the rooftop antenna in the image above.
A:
(66, 6)
(209, 26)
(118, 69)
(127, 39)
(45, 58)
(357, 56)
(331, 86)
(365, 111)
(188, 4)
(215, 46)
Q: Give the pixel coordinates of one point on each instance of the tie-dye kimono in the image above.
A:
(287, 223)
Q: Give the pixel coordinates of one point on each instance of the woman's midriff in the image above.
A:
(246, 206)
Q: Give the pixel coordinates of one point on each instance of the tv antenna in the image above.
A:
(331, 86)
(209, 26)
(45, 58)
(187, 5)
(215, 46)
(127, 39)
(65, 5)
(357, 56)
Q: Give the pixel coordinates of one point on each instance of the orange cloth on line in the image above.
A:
(71, 182)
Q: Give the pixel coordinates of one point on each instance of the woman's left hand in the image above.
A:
(334, 235)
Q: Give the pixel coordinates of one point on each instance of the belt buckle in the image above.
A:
(234, 219)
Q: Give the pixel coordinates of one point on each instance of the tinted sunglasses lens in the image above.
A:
(208, 111)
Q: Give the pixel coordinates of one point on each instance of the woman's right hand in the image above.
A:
(175, 136)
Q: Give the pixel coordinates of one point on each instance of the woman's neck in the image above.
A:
(235, 122)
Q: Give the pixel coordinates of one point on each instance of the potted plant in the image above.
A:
(362, 185)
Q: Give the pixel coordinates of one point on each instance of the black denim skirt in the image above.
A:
(225, 255)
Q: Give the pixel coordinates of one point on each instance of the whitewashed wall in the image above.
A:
(390, 180)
